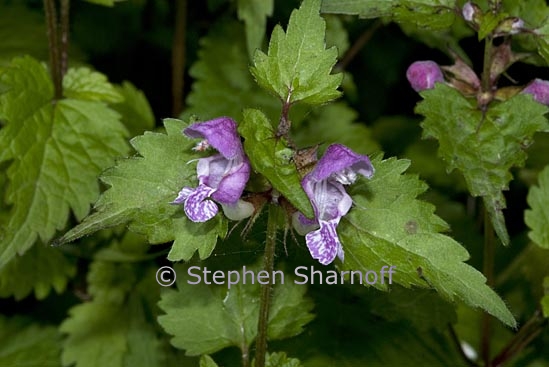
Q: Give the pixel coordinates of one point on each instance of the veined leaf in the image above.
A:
(55, 153)
(205, 319)
(135, 110)
(229, 83)
(89, 85)
(40, 269)
(207, 361)
(112, 329)
(263, 148)
(141, 190)
(424, 13)
(484, 150)
(297, 66)
(389, 227)
(537, 218)
(23, 343)
(279, 360)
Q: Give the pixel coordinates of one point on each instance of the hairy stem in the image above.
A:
(528, 332)
(53, 43)
(64, 44)
(357, 46)
(488, 270)
(486, 80)
(265, 300)
(178, 56)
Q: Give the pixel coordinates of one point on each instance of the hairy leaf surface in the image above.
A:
(297, 66)
(389, 226)
(435, 14)
(141, 190)
(537, 218)
(23, 343)
(265, 151)
(482, 149)
(55, 153)
(205, 319)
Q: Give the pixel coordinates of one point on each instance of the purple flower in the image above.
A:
(423, 75)
(221, 177)
(539, 89)
(324, 186)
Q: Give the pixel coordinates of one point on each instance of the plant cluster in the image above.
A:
(266, 169)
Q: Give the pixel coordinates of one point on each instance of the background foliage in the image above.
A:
(93, 299)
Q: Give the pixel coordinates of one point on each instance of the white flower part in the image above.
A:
(468, 11)
(239, 210)
(345, 177)
(517, 26)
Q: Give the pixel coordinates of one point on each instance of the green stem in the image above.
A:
(53, 43)
(486, 80)
(488, 270)
(265, 300)
(178, 56)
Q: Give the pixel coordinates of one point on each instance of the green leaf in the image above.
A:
(89, 85)
(545, 298)
(335, 123)
(254, 14)
(279, 359)
(55, 153)
(489, 23)
(113, 329)
(542, 39)
(484, 157)
(40, 269)
(389, 227)
(135, 110)
(297, 66)
(205, 319)
(207, 361)
(228, 83)
(24, 344)
(28, 25)
(424, 309)
(141, 190)
(109, 3)
(537, 218)
(435, 14)
(336, 34)
(263, 150)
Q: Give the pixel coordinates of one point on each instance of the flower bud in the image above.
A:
(423, 75)
(539, 89)
(471, 12)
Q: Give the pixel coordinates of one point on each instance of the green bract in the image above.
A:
(270, 156)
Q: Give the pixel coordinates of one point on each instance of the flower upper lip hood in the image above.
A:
(222, 176)
(220, 133)
(324, 186)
